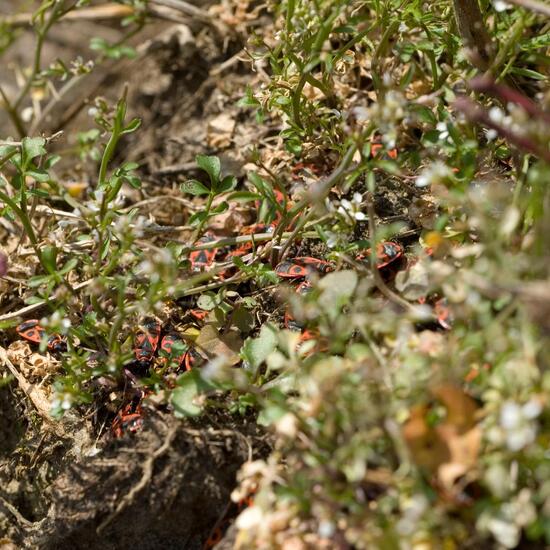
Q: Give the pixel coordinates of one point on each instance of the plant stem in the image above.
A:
(198, 233)
(473, 32)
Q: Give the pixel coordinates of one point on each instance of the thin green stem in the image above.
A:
(198, 233)
(23, 218)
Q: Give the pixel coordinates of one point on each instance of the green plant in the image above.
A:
(217, 186)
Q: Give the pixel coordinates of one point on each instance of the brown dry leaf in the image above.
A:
(450, 449)
(461, 408)
(427, 449)
(220, 131)
(216, 345)
(18, 351)
(460, 433)
(32, 365)
(232, 221)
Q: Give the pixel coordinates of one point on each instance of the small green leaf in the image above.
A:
(183, 398)
(243, 196)
(221, 208)
(51, 161)
(6, 150)
(42, 193)
(227, 184)
(256, 350)
(134, 181)
(211, 165)
(271, 414)
(336, 290)
(49, 257)
(69, 266)
(208, 301)
(194, 187)
(528, 73)
(39, 175)
(197, 217)
(132, 127)
(32, 148)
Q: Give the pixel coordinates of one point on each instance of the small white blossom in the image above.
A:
(500, 6)
(433, 174)
(326, 529)
(352, 208)
(516, 421)
(490, 134)
(332, 239)
(496, 115)
(443, 130)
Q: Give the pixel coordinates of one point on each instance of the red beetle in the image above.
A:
(193, 359)
(376, 148)
(198, 314)
(302, 266)
(167, 346)
(129, 418)
(201, 259)
(32, 331)
(245, 248)
(386, 253)
(147, 340)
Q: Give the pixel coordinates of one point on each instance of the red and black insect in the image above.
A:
(193, 359)
(128, 419)
(32, 331)
(304, 169)
(376, 147)
(167, 346)
(201, 259)
(147, 340)
(199, 314)
(245, 248)
(302, 266)
(386, 253)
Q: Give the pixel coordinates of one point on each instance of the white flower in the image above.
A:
(499, 5)
(504, 531)
(287, 425)
(326, 529)
(249, 519)
(510, 415)
(496, 115)
(441, 127)
(433, 174)
(516, 421)
(352, 209)
(532, 409)
(490, 134)
(332, 239)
